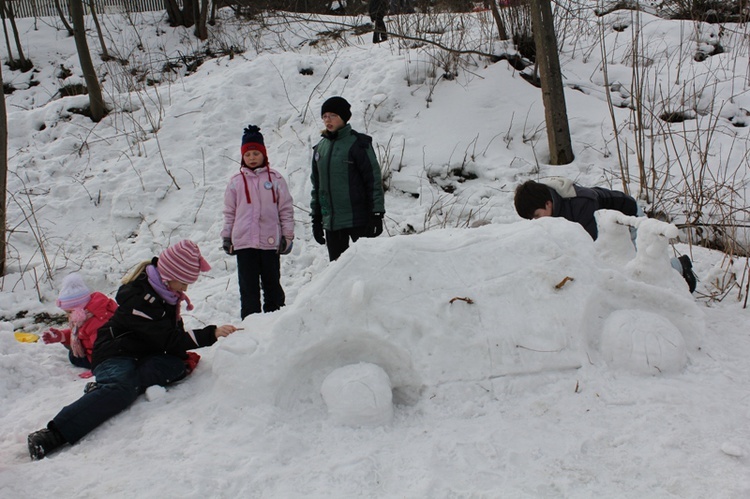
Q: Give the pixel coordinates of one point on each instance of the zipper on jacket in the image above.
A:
(330, 191)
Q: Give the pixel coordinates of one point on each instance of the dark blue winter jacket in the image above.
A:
(581, 207)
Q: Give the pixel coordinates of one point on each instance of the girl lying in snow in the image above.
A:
(87, 312)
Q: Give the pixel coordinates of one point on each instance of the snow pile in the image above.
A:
(461, 306)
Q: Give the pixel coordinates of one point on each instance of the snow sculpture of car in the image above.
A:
(465, 309)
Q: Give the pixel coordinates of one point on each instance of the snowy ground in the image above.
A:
(435, 361)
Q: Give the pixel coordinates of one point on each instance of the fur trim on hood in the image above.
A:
(563, 186)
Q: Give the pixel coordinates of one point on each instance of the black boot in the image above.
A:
(44, 442)
(687, 272)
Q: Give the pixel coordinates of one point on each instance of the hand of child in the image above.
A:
(317, 229)
(285, 246)
(53, 336)
(77, 347)
(375, 225)
(226, 245)
(225, 330)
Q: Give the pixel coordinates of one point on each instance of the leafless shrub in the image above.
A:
(28, 210)
(683, 169)
(386, 157)
(448, 211)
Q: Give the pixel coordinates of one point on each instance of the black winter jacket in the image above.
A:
(378, 9)
(144, 324)
(587, 200)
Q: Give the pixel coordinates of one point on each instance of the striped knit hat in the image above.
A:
(74, 293)
(182, 262)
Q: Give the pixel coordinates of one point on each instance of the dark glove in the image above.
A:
(226, 245)
(285, 247)
(191, 362)
(318, 230)
(374, 225)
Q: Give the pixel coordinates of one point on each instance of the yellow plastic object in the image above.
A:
(26, 337)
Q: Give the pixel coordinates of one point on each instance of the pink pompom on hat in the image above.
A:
(182, 262)
(74, 293)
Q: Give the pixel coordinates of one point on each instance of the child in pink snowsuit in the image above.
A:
(258, 226)
(87, 312)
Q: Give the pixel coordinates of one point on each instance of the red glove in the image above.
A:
(191, 361)
(53, 336)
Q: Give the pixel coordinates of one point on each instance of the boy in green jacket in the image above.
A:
(347, 187)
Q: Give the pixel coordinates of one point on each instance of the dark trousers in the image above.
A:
(337, 241)
(119, 382)
(256, 268)
(83, 362)
(379, 32)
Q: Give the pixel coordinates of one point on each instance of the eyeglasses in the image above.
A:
(329, 116)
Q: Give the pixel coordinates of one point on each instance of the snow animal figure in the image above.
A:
(645, 339)
(144, 343)
(86, 312)
(258, 226)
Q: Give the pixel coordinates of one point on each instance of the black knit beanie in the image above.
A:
(339, 106)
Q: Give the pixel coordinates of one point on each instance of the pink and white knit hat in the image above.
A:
(182, 262)
(74, 293)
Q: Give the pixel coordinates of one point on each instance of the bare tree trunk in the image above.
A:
(105, 54)
(11, 61)
(189, 12)
(201, 30)
(553, 97)
(193, 12)
(35, 14)
(212, 18)
(501, 31)
(3, 173)
(26, 64)
(96, 102)
(174, 14)
(63, 19)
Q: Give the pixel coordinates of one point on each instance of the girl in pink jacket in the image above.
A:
(258, 226)
(87, 312)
